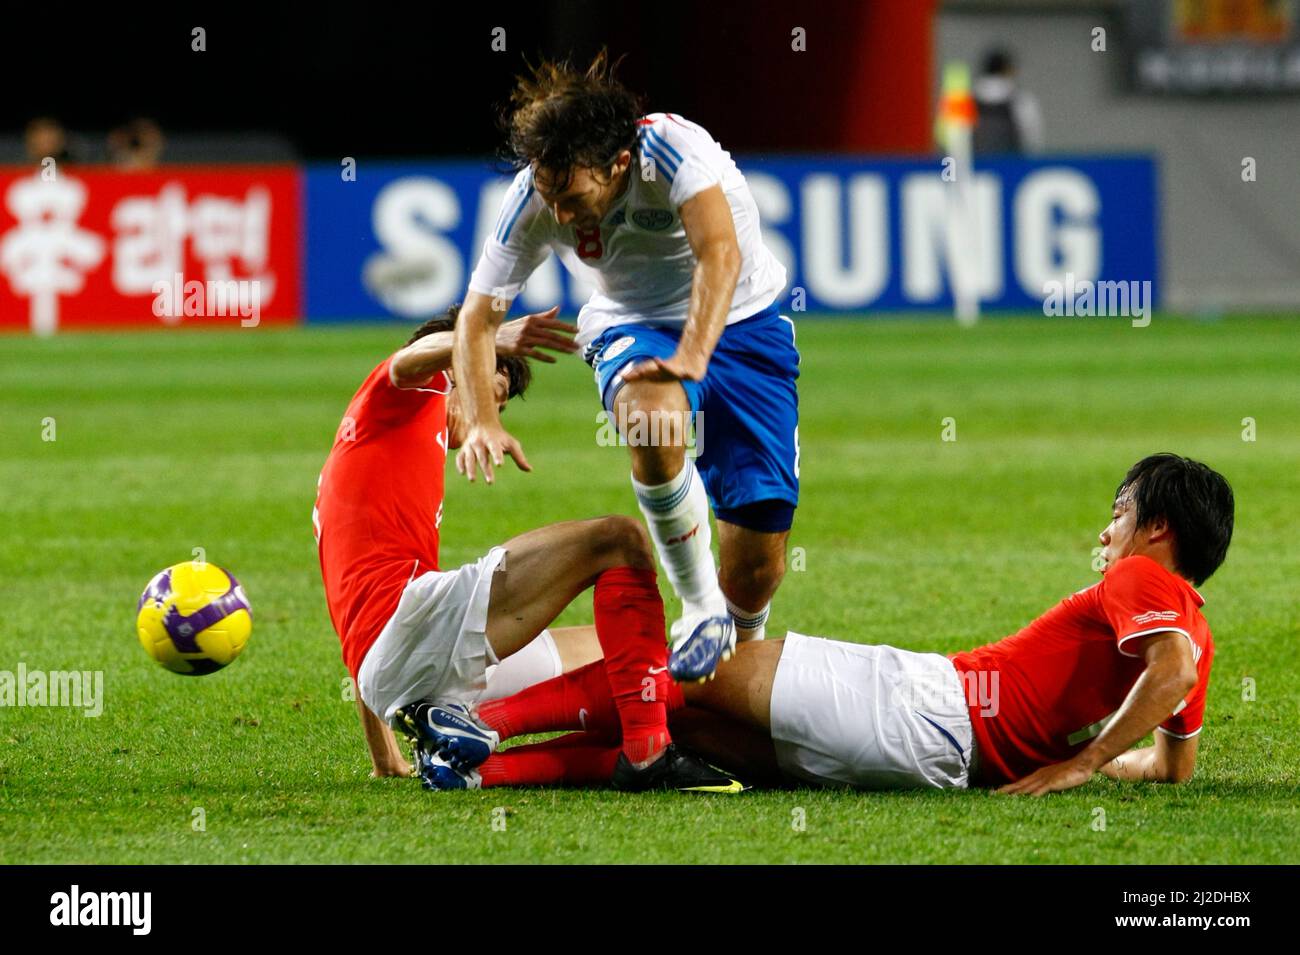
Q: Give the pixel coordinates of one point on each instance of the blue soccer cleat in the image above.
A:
(437, 774)
(700, 643)
(451, 731)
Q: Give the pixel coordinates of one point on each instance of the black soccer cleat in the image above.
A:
(675, 769)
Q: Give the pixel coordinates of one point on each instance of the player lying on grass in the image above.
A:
(1036, 712)
(413, 634)
(683, 329)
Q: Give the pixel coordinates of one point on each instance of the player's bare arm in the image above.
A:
(481, 335)
(386, 757)
(1169, 760)
(1169, 676)
(706, 218)
(474, 362)
(414, 365)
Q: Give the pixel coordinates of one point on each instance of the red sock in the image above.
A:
(580, 699)
(577, 700)
(630, 627)
(568, 760)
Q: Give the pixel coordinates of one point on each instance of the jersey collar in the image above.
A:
(621, 201)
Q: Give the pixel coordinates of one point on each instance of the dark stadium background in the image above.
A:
(416, 80)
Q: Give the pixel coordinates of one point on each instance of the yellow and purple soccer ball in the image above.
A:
(194, 618)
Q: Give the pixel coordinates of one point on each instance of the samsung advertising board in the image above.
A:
(856, 236)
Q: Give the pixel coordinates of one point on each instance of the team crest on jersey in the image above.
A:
(617, 348)
(653, 220)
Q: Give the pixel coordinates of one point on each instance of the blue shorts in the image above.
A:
(746, 411)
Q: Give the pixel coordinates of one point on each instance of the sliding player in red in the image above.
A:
(1037, 712)
(419, 640)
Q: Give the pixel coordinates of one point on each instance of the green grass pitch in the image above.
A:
(169, 441)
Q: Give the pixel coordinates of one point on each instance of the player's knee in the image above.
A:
(654, 422)
(625, 542)
(651, 396)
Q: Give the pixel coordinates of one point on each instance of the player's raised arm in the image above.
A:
(711, 232)
(414, 365)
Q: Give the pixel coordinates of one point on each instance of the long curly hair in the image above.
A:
(560, 118)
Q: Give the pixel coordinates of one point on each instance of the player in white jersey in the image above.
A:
(683, 331)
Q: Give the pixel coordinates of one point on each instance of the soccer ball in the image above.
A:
(193, 618)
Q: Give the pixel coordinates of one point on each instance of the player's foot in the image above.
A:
(675, 769)
(436, 773)
(451, 731)
(700, 643)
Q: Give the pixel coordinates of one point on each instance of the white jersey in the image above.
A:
(639, 260)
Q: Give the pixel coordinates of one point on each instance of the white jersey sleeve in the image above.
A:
(517, 245)
(685, 154)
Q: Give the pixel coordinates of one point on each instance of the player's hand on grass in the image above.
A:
(401, 768)
(1050, 779)
(486, 446)
(677, 368)
(524, 336)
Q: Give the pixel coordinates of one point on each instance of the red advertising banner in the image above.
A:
(202, 246)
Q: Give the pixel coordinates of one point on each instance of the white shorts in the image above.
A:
(874, 717)
(434, 647)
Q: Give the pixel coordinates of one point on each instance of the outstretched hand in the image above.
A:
(485, 446)
(1055, 778)
(523, 337)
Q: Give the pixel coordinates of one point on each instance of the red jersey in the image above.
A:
(1041, 695)
(379, 504)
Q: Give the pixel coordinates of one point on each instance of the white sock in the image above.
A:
(677, 514)
(749, 626)
(535, 661)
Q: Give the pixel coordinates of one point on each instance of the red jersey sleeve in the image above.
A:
(387, 401)
(1139, 597)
